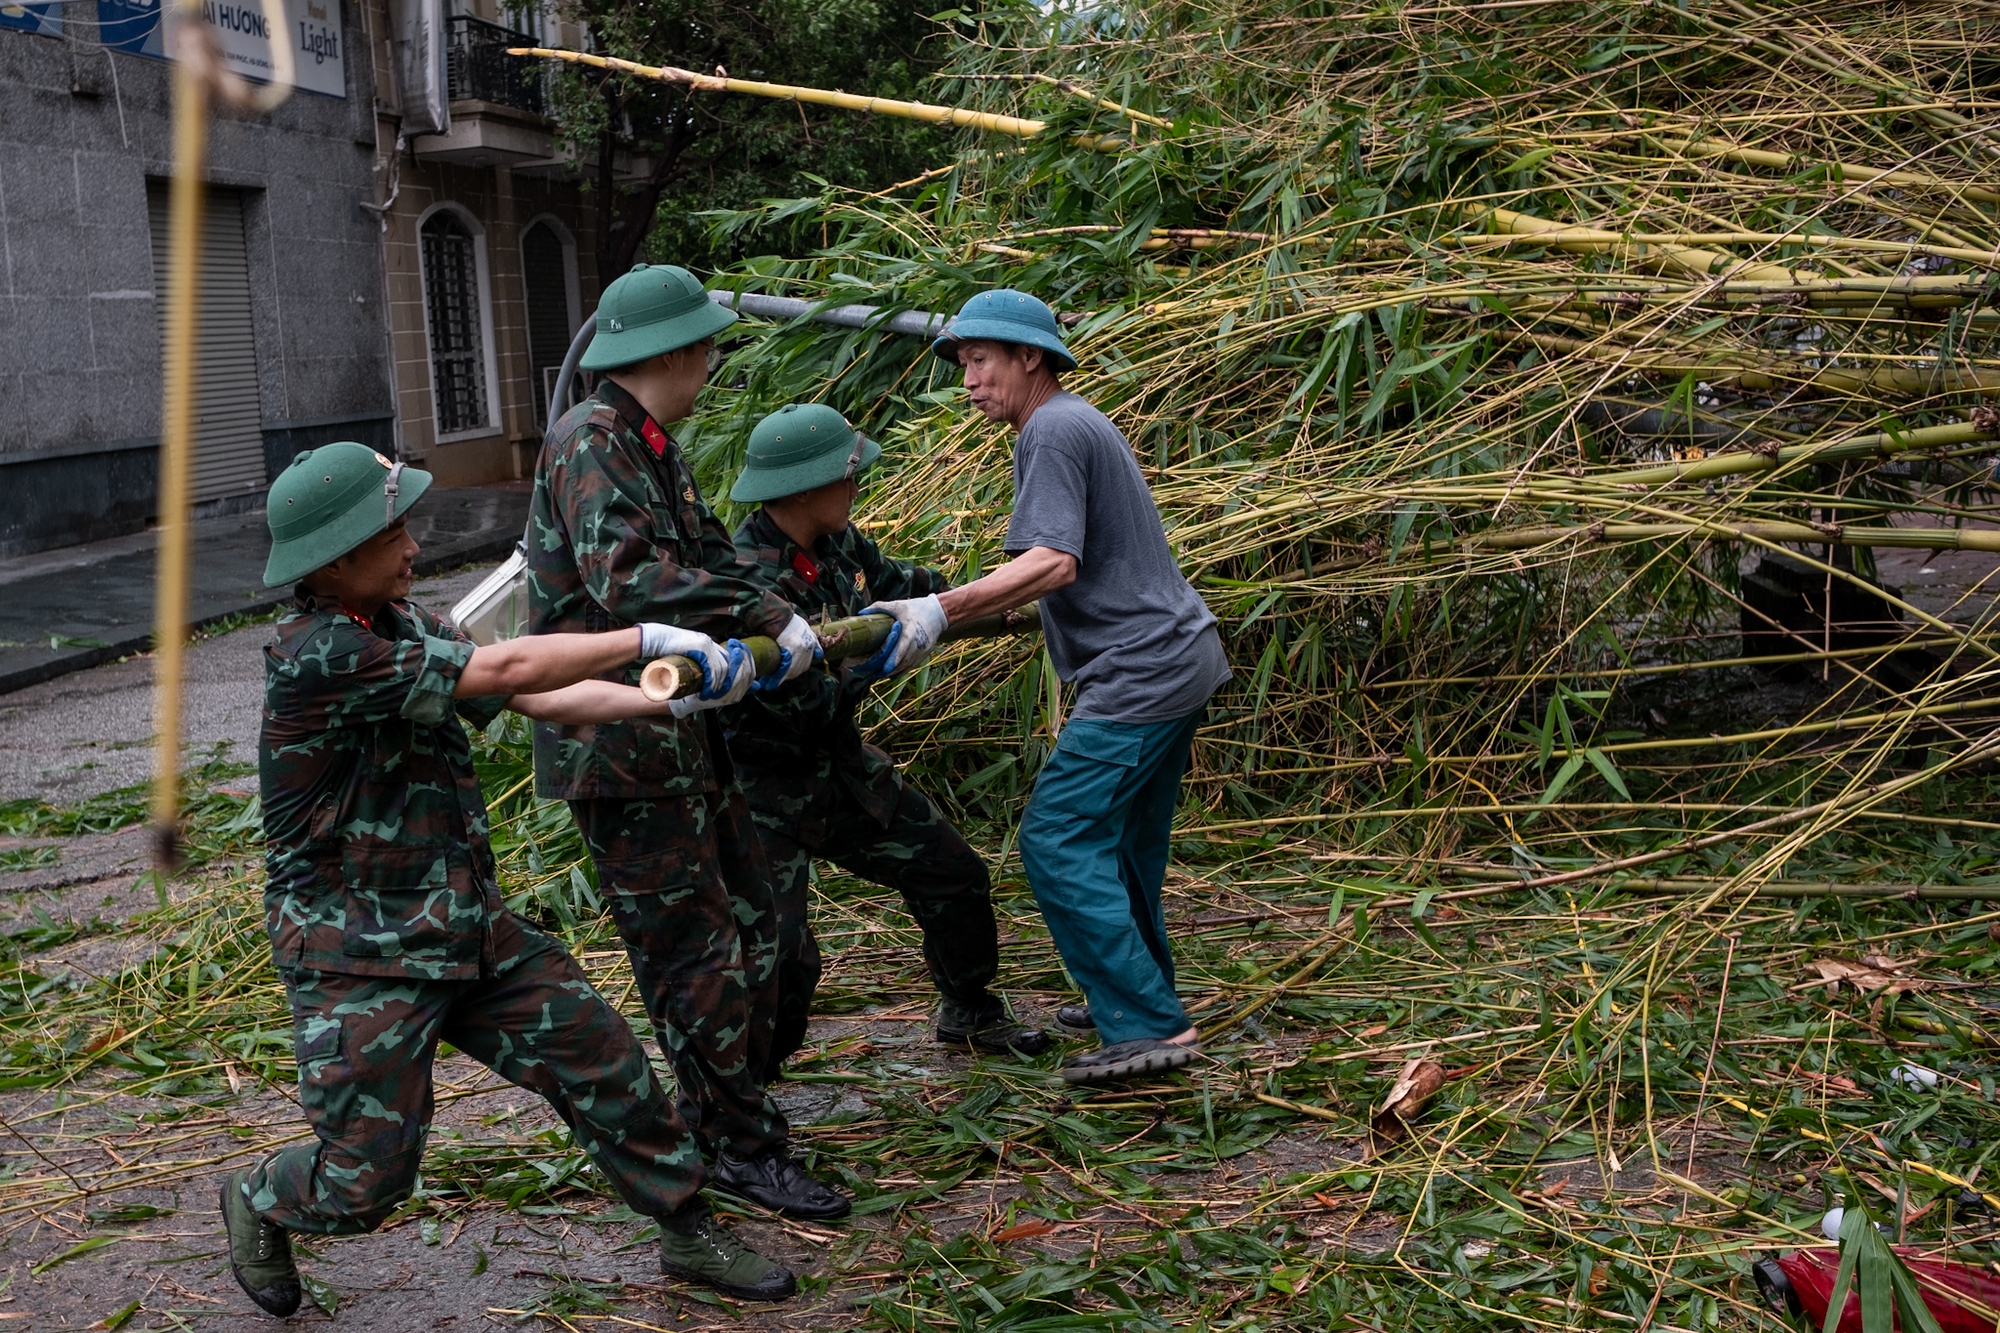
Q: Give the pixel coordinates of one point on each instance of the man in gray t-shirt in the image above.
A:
(1135, 639)
(1139, 645)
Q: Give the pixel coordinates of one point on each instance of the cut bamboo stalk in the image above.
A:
(677, 677)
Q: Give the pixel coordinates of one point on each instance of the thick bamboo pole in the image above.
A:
(177, 444)
(199, 79)
(989, 121)
(676, 677)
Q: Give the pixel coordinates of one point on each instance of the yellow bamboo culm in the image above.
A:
(176, 417)
(1725, 150)
(784, 92)
(1688, 260)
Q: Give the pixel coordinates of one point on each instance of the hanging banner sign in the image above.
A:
(312, 29)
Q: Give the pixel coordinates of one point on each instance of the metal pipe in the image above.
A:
(559, 396)
(915, 323)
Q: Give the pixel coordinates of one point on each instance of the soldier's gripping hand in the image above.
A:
(798, 649)
(920, 623)
(726, 668)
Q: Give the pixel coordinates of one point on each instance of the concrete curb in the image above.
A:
(447, 556)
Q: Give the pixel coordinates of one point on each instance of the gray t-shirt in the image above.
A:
(1134, 637)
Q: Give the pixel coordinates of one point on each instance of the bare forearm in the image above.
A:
(540, 663)
(586, 702)
(1034, 573)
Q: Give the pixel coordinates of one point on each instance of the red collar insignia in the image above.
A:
(654, 436)
(808, 571)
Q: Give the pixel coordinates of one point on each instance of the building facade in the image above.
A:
(409, 291)
(487, 236)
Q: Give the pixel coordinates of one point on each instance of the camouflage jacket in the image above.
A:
(805, 732)
(617, 534)
(374, 825)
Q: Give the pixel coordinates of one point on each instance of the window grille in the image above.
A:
(451, 305)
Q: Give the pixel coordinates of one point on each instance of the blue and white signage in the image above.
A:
(311, 28)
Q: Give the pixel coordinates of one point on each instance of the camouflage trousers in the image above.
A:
(917, 852)
(365, 1049)
(689, 889)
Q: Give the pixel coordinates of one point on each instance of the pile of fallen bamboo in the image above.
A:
(1488, 344)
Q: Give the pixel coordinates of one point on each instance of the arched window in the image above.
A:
(454, 317)
(548, 277)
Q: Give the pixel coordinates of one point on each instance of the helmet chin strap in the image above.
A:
(391, 487)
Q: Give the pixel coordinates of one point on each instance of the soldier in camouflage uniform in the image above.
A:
(385, 921)
(815, 789)
(619, 534)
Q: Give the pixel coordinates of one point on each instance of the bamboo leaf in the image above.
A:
(77, 1251)
(1529, 160)
(1570, 768)
(1606, 770)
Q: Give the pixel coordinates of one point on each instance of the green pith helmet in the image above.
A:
(329, 501)
(798, 447)
(1007, 316)
(653, 309)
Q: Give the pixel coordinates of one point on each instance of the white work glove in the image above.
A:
(726, 670)
(920, 623)
(798, 649)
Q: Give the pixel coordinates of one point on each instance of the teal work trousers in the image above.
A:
(1094, 843)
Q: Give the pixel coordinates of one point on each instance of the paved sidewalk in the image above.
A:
(68, 609)
(92, 731)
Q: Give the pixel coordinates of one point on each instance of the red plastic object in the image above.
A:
(1811, 1274)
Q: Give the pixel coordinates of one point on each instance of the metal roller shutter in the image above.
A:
(545, 275)
(228, 414)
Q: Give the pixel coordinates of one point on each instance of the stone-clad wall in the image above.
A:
(81, 132)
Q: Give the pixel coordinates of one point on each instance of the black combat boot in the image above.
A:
(1075, 1018)
(260, 1253)
(774, 1179)
(694, 1249)
(988, 1028)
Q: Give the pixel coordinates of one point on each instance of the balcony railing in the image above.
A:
(479, 68)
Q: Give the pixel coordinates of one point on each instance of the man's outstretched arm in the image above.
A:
(540, 663)
(1034, 573)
